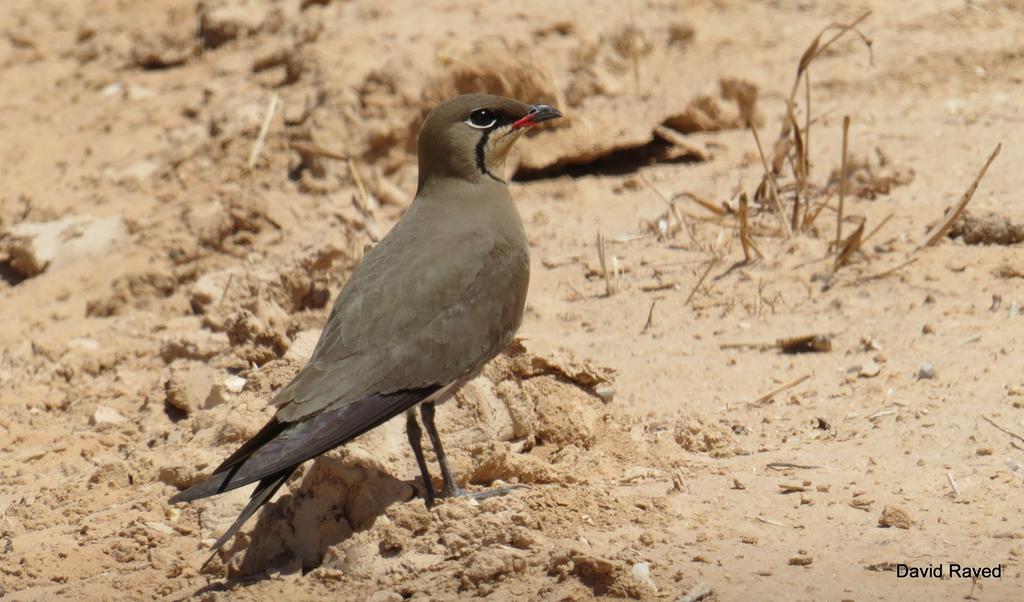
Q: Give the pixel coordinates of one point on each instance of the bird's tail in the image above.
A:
(261, 495)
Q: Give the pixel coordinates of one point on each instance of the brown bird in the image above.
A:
(441, 295)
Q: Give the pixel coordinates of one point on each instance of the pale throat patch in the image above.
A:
(497, 147)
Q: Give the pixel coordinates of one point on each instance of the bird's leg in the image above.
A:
(412, 429)
(451, 488)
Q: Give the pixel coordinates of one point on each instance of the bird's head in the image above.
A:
(470, 136)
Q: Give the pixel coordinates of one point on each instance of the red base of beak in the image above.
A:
(524, 122)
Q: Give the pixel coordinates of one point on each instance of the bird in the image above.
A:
(427, 307)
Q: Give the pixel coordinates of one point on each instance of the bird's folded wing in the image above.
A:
(343, 392)
(452, 323)
(300, 441)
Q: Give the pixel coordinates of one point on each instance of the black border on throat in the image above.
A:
(481, 160)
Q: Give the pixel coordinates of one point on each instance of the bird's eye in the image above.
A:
(482, 118)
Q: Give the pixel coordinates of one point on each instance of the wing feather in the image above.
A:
(306, 439)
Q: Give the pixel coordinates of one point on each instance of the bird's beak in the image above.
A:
(537, 114)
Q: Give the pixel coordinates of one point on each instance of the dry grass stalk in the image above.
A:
(851, 245)
(816, 48)
(790, 136)
(227, 287)
(700, 281)
(876, 229)
(811, 343)
(680, 222)
(575, 294)
(767, 521)
(790, 466)
(757, 346)
(745, 239)
(810, 216)
(717, 210)
(952, 484)
(940, 231)
(881, 275)
(813, 50)
(353, 170)
(369, 223)
(807, 125)
(773, 187)
(609, 284)
(257, 147)
(785, 387)
(842, 182)
(799, 169)
(664, 286)
(650, 317)
(1005, 430)
(656, 228)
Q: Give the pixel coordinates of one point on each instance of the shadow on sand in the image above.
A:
(338, 497)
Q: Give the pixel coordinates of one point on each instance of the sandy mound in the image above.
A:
(523, 422)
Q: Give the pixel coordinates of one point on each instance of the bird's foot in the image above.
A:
(456, 491)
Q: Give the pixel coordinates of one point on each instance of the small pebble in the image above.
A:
(869, 370)
(107, 415)
(926, 371)
(234, 384)
(642, 572)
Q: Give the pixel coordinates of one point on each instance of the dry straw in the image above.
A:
(257, 147)
(610, 284)
(942, 229)
(843, 174)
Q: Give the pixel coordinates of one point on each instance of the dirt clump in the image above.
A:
(989, 229)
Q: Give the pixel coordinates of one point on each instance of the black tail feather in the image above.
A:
(282, 446)
(266, 434)
(273, 454)
(261, 495)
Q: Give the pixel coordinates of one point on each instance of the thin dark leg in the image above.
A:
(450, 488)
(412, 429)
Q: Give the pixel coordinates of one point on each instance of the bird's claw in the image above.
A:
(457, 492)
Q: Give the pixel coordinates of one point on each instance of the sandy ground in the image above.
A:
(161, 280)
